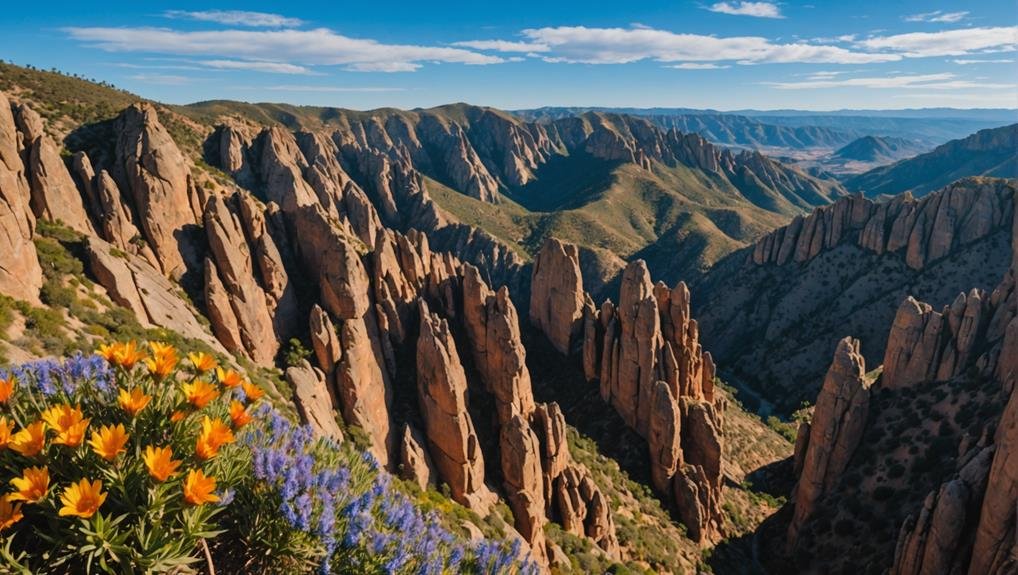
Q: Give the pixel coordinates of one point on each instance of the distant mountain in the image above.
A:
(877, 149)
(991, 152)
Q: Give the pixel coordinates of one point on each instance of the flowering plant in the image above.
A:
(136, 460)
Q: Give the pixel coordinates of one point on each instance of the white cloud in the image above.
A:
(946, 42)
(237, 18)
(937, 16)
(502, 46)
(698, 66)
(967, 61)
(299, 47)
(579, 44)
(256, 66)
(939, 81)
(757, 9)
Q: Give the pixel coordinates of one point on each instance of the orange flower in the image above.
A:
(82, 499)
(134, 401)
(163, 360)
(198, 488)
(7, 388)
(125, 355)
(69, 423)
(200, 392)
(6, 427)
(202, 361)
(9, 514)
(30, 440)
(109, 441)
(239, 415)
(178, 416)
(228, 377)
(214, 434)
(160, 462)
(32, 486)
(252, 391)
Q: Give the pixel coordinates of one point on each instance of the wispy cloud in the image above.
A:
(312, 88)
(237, 18)
(579, 44)
(256, 66)
(756, 9)
(502, 46)
(940, 81)
(937, 16)
(967, 61)
(297, 47)
(946, 42)
(698, 66)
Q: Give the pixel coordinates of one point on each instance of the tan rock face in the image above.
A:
(663, 438)
(839, 420)
(20, 273)
(55, 197)
(523, 481)
(442, 390)
(583, 510)
(363, 386)
(156, 176)
(556, 293)
(330, 256)
(324, 340)
(414, 461)
(314, 403)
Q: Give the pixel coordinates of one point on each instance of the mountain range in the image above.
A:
(601, 333)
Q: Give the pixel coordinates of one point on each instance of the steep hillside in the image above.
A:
(876, 149)
(773, 313)
(992, 152)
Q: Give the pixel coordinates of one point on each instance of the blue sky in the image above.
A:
(815, 55)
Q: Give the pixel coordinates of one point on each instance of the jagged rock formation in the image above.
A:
(843, 270)
(415, 461)
(838, 422)
(652, 370)
(20, 274)
(442, 390)
(556, 293)
(311, 395)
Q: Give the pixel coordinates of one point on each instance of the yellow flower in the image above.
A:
(163, 360)
(160, 462)
(134, 401)
(228, 377)
(32, 486)
(82, 499)
(214, 434)
(200, 392)
(69, 423)
(109, 441)
(202, 361)
(252, 391)
(9, 514)
(238, 414)
(6, 427)
(7, 388)
(30, 440)
(198, 488)
(125, 355)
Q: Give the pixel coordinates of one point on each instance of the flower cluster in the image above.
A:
(92, 439)
(360, 518)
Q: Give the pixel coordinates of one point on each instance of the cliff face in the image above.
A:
(20, 274)
(771, 313)
(933, 439)
(652, 371)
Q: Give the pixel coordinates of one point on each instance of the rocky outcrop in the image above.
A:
(154, 173)
(55, 197)
(313, 400)
(131, 282)
(839, 420)
(20, 273)
(523, 481)
(583, 510)
(556, 293)
(442, 392)
(414, 461)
